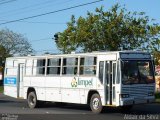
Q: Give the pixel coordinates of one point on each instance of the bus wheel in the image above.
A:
(96, 104)
(32, 100)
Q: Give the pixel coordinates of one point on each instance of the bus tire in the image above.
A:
(96, 104)
(32, 100)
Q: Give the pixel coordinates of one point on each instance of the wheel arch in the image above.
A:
(90, 93)
(30, 89)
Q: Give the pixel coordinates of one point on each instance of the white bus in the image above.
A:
(120, 79)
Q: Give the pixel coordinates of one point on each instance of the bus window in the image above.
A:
(54, 66)
(88, 65)
(41, 67)
(70, 66)
(137, 72)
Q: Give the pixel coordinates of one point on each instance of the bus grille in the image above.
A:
(138, 91)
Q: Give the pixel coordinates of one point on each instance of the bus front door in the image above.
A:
(20, 80)
(109, 81)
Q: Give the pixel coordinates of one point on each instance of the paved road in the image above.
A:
(11, 108)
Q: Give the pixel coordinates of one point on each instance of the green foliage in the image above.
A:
(157, 95)
(1, 89)
(109, 30)
(3, 54)
(156, 55)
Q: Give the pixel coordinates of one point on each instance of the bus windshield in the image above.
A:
(137, 72)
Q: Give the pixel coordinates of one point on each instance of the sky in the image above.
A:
(40, 30)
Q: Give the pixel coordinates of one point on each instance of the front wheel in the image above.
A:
(32, 100)
(96, 104)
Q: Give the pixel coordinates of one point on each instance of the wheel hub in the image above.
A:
(32, 100)
(96, 103)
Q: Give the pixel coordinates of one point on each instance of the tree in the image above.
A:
(156, 55)
(3, 55)
(66, 41)
(110, 30)
(13, 44)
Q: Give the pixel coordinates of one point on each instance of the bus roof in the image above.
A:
(95, 53)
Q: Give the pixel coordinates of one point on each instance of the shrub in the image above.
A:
(157, 95)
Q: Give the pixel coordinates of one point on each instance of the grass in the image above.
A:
(1, 89)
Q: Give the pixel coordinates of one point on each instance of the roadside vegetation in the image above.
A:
(110, 30)
(1, 89)
(157, 96)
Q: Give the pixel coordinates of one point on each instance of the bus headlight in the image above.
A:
(124, 95)
(150, 94)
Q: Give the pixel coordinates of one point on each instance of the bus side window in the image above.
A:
(88, 65)
(70, 66)
(41, 66)
(53, 67)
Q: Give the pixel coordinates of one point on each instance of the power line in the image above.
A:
(36, 7)
(27, 7)
(41, 22)
(49, 50)
(4, 2)
(43, 39)
(56, 11)
(38, 22)
(45, 50)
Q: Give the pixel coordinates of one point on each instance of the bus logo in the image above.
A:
(74, 82)
(78, 82)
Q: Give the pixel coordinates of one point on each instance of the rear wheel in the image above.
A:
(32, 100)
(96, 104)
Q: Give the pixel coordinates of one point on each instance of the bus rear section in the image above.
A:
(13, 77)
